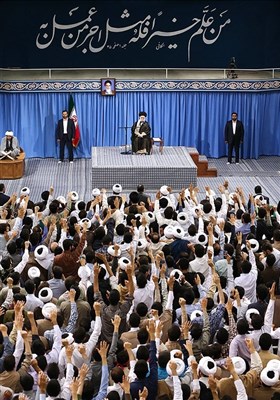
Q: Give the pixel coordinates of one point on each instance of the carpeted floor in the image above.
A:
(42, 173)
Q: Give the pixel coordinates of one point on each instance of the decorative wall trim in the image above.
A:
(142, 85)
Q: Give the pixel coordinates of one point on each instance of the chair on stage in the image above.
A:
(157, 141)
(12, 168)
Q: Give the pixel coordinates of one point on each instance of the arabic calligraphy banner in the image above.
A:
(139, 34)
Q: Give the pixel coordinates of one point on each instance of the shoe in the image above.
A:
(237, 163)
(228, 163)
(59, 162)
(71, 162)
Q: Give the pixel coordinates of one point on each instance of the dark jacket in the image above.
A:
(239, 132)
(70, 129)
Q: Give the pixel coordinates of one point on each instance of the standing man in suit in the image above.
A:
(234, 134)
(65, 132)
(3, 197)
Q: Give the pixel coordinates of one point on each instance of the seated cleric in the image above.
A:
(9, 147)
(140, 138)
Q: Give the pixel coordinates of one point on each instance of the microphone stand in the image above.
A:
(126, 128)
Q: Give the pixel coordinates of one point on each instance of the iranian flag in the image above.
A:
(73, 115)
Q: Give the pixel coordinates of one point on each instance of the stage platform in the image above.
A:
(174, 168)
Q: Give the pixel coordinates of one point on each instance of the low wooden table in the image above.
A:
(12, 169)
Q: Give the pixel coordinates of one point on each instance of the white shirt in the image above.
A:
(65, 122)
(234, 127)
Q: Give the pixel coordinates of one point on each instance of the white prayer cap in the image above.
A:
(177, 273)
(269, 376)
(124, 262)
(178, 232)
(196, 314)
(274, 365)
(249, 314)
(254, 245)
(150, 216)
(82, 221)
(174, 353)
(45, 294)
(25, 191)
(142, 244)
(111, 251)
(138, 217)
(164, 190)
(84, 272)
(33, 272)
(41, 252)
(61, 199)
(179, 369)
(47, 309)
(95, 192)
(168, 231)
(182, 218)
(79, 204)
(68, 336)
(207, 366)
(201, 238)
(106, 272)
(117, 188)
(74, 196)
(9, 133)
(239, 365)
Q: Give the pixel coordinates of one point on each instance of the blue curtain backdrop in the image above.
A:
(181, 118)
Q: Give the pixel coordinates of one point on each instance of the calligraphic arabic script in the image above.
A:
(89, 36)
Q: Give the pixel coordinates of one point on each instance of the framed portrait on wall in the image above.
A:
(108, 87)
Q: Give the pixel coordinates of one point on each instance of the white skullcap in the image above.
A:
(77, 205)
(45, 294)
(124, 262)
(95, 192)
(274, 365)
(61, 199)
(178, 232)
(150, 216)
(106, 272)
(9, 133)
(239, 365)
(68, 336)
(33, 272)
(207, 366)
(41, 252)
(47, 309)
(196, 314)
(269, 376)
(164, 190)
(177, 273)
(142, 244)
(179, 369)
(117, 188)
(74, 196)
(201, 238)
(82, 221)
(168, 231)
(84, 272)
(174, 353)
(111, 251)
(254, 245)
(249, 314)
(25, 191)
(182, 217)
